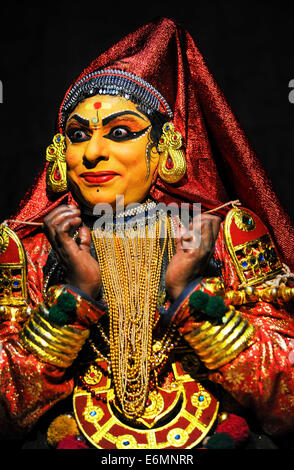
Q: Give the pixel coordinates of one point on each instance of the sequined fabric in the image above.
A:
(28, 386)
(261, 377)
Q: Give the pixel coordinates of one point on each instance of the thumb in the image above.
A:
(85, 238)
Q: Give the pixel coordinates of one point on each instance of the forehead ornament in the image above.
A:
(114, 82)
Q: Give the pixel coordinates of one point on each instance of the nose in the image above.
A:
(95, 151)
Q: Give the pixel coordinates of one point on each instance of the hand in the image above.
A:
(81, 269)
(191, 258)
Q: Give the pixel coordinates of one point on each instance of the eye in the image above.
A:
(77, 134)
(119, 133)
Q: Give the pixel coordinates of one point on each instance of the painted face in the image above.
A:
(107, 140)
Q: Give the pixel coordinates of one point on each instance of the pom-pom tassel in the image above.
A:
(61, 427)
(64, 310)
(213, 305)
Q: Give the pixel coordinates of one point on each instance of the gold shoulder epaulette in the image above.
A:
(251, 247)
(13, 276)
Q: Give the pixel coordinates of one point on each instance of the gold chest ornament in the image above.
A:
(179, 414)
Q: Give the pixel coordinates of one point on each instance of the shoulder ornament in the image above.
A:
(13, 277)
(250, 247)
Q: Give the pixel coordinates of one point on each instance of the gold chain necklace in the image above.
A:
(130, 264)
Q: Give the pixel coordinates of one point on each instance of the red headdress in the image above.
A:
(220, 162)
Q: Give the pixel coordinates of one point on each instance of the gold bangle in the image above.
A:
(217, 344)
(233, 351)
(67, 333)
(53, 344)
(63, 346)
(221, 334)
(202, 334)
(42, 343)
(226, 343)
(42, 354)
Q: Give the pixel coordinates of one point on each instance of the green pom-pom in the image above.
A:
(67, 302)
(215, 307)
(221, 440)
(58, 316)
(198, 300)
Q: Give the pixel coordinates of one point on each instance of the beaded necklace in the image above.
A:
(131, 259)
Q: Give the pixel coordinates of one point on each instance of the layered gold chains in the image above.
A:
(131, 263)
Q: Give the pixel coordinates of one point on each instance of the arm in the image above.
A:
(36, 354)
(250, 354)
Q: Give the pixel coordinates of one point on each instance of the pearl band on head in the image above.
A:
(114, 82)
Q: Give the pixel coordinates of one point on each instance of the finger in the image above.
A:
(63, 216)
(207, 241)
(85, 238)
(49, 217)
(54, 218)
(195, 224)
(65, 225)
(190, 241)
(214, 220)
(190, 237)
(179, 232)
(201, 240)
(63, 241)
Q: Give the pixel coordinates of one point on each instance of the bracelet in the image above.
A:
(217, 345)
(230, 353)
(57, 345)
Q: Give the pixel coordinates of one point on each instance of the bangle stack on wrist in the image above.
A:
(217, 343)
(54, 344)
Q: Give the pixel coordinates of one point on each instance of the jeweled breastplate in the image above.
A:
(179, 412)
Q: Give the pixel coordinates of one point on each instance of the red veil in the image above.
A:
(221, 165)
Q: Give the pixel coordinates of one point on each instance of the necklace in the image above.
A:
(130, 261)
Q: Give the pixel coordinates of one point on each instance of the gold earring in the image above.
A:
(172, 163)
(56, 178)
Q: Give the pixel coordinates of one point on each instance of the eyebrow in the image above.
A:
(106, 120)
(110, 118)
(81, 120)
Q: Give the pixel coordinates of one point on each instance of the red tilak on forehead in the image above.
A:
(97, 105)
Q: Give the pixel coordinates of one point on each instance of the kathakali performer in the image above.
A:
(127, 334)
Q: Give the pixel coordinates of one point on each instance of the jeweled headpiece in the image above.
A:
(115, 82)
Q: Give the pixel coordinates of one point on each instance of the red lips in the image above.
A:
(98, 177)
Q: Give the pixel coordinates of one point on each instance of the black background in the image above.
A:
(247, 46)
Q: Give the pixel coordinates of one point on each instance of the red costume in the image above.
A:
(258, 375)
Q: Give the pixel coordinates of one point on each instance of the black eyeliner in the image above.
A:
(71, 131)
(130, 136)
